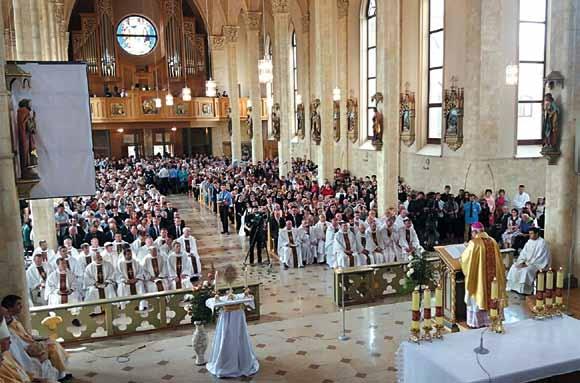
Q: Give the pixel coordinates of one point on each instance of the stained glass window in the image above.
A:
(136, 35)
(435, 69)
(371, 62)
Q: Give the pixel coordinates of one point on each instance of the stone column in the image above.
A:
(34, 23)
(305, 90)
(325, 41)
(43, 223)
(253, 22)
(53, 30)
(62, 47)
(342, 68)
(281, 46)
(231, 33)
(12, 271)
(23, 30)
(148, 142)
(561, 181)
(388, 82)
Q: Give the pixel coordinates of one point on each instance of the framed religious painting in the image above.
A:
(207, 109)
(148, 106)
(181, 109)
(118, 109)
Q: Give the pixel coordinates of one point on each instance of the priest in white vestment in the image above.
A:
(189, 247)
(140, 248)
(39, 367)
(179, 268)
(62, 285)
(408, 240)
(130, 278)
(535, 256)
(332, 229)
(85, 256)
(163, 243)
(72, 252)
(290, 247)
(392, 250)
(100, 278)
(48, 255)
(36, 276)
(376, 242)
(118, 246)
(309, 242)
(110, 255)
(156, 271)
(368, 258)
(345, 247)
(319, 232)
(74, 266)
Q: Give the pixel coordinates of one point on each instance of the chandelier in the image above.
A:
(265, 67)
(186, 93)
(210, 85)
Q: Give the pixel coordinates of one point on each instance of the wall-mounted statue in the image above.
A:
(453, 114)
(276, 121)
(352, 119)
(230, 122)
(315, 124)
(300, 122)
(551, 129)
(26, 126)
(377, 139)
(336, 120)
(407, 116)
(250, 125)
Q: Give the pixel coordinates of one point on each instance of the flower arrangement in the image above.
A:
(195, 303)
(419, 271)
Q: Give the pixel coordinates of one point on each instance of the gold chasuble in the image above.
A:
(11, 371)
(481, 262)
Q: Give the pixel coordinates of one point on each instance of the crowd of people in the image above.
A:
(128, 239)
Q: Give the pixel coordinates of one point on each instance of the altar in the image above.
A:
(232, 354)
(529, 351)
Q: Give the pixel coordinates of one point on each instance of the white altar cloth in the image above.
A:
(232, 354)
(529, 350)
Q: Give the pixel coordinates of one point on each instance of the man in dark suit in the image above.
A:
(75, 237)
(176, 230)
(295, 216)
(170, 211)
(155, 228)
(95, 233)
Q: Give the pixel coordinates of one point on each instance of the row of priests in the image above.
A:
(481, 263)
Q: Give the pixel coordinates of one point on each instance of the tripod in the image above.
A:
(250, 249)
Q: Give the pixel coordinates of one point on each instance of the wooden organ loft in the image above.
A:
(179, 56)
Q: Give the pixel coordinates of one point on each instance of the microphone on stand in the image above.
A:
(480, 350)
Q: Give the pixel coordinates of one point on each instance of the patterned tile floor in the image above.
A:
(296, 340)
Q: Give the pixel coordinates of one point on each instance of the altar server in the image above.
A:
(36, 277)
(289, 247)
(345, 247)
(179, 268)
(62, 285)
(156, 271)
(376, 242)
(535, 256)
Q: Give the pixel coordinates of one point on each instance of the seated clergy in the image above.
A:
(333, 228)
(85, 256)
(55, 352)
(163, 242)
(376, 242)
(72, 252)
(118, 246)
(130, 277)
(392, 250)
(36, 277)
(345, 247)
(99, 280)
(140, 247)
(62, 285)
(179, 268)
(289, 246)
(362, 243)
(534, 256)
(319, 231)
(156, 273)
(48, 255)
(309, 242)
(408, 240)
(189, 247)
(74, 266)
(110, 255)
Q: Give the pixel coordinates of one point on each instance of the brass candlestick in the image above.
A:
(427, 333)
(438, 331)
(415, 336)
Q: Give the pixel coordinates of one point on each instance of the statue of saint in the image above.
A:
(452, 120)
(551, 124)
(406, 120)
(315, 123)
(377, 128)
(300, 131)
(230, 127)
(276, 121)
(250, 126)
(26, 120)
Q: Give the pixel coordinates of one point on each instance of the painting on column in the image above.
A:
(352, 119)
(453, 114)
(315, 123)
(407, 116)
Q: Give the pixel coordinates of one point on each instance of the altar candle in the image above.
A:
(427, 307)
(494, 289)
(560, 278)
(541, 281)
(416, 314)
(439, 305)
(550, 280)
(540, 291)
(415, 301)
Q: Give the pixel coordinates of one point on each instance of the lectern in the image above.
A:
(453, 284)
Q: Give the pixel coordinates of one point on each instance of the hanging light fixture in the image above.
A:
(169, 98)
(210, 85)
(265, 66)
(336, 90)
(186, 91)
(157, 100)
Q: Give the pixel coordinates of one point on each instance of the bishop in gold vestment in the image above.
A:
(481, 262)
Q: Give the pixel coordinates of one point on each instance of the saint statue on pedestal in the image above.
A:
(551, 124)
(26, 125)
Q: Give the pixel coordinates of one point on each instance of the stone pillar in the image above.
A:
(305, 91)
(62, 47)
(33, 22)
(52, 30)
(12, 271)
(45, 32)
(253, 22)
(231, 33)
(281, 52)
(325, 41)
(388, 82)
(147, 142)
(43, 223)
(561, 181)
(23, 31)
(342, 72)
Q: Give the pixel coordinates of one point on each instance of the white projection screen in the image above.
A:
(59, 96)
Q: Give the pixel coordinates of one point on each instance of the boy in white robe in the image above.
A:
(179, 268)
(99, 281)
(36, 277)
(290, 247)
(156, 271)
(130, 278)
(345, 247)
(61, 285)
(189, 246)
(535, 256)
(319, 232)
(333, 228)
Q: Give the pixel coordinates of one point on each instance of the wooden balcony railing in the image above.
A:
(139, 106)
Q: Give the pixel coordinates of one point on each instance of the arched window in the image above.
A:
(532, 58)
(435, 70)
(294, 79)
(269, 87)
(369, 64)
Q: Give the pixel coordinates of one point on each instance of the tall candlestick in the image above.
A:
(415, 301)
(550, 280)
(494, 289)
(427, 298)
(540, 292)
(560, 278)
(438, 296)
(416, 314)
(541, 281)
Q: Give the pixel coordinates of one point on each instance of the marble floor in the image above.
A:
(296, 339)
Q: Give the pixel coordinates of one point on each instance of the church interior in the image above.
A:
(289, 190)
